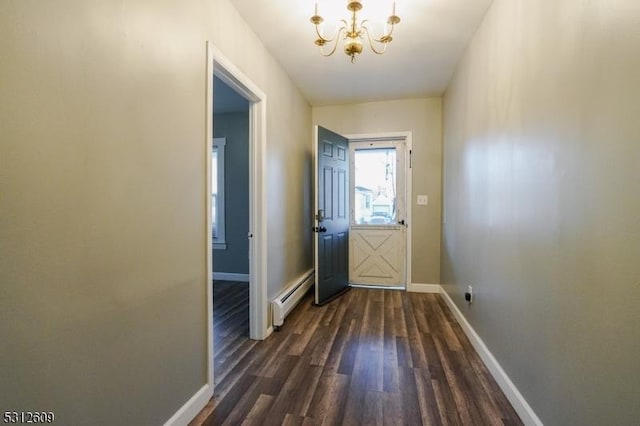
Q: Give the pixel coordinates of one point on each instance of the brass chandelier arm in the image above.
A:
(335, 40)
(373, 40)
(329, 40)
(320, 36)
(386, 38)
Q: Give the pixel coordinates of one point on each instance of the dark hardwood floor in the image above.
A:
(370, 357)
(230, 326)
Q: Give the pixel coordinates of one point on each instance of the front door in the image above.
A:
(331, 215)
(377, 241)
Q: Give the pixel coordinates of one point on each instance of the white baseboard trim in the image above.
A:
(192, 407)
(424, 288)
(230, 276)
(514, 396)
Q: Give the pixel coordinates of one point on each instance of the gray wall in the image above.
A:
(234, 127)
(102, 200)
(542, 204)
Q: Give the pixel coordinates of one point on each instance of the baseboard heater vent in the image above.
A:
(289, 298)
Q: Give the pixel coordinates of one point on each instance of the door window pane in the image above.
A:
(375, 186)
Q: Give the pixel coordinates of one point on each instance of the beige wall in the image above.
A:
(288, 154)
(542, 212)
(102, 214)
(423, 118)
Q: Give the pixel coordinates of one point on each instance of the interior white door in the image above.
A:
(377, 233)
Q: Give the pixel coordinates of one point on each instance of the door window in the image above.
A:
(375, 200)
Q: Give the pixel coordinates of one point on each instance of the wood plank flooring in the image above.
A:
(371, 357)
(230, 326)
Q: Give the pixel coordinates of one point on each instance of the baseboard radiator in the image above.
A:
(290, 297)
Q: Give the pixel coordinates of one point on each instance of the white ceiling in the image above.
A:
(427, 45)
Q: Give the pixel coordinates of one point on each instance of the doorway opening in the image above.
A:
(224, 79)
(230, 224)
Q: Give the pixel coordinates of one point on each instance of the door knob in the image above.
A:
(322, 229)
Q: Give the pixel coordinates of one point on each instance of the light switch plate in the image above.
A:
(423, 200)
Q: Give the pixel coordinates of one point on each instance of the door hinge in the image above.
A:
(410, 158)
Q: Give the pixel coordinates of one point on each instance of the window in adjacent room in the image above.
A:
(217, 194)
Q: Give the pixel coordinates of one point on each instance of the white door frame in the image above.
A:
(406, 137)
(221, 67)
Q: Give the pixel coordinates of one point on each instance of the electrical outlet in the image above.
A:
(422, 200)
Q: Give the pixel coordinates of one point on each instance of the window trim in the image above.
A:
(219, 241)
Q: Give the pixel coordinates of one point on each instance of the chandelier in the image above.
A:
(354, 34)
